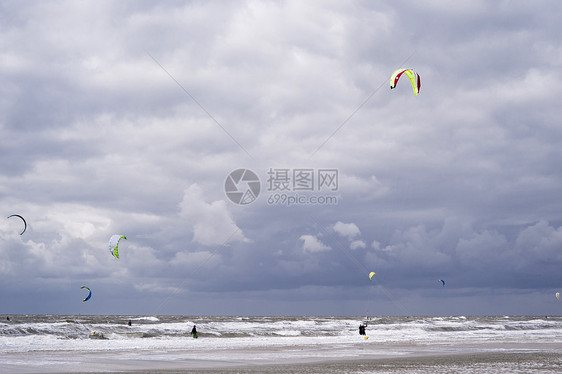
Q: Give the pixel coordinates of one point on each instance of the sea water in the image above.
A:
(270, 339)
(74, 332)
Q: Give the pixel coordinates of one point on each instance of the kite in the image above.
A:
(442, 281)
(558, 295)
(371, 275)
(24, 223)
(114, 244)
(414, 78)
(89, 295)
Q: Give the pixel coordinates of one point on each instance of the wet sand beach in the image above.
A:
(523, 362)
(357, 358)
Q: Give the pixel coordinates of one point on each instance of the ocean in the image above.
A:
(106, 343)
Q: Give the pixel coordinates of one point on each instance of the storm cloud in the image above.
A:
(127, 117)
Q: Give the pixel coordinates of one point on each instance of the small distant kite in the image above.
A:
(114, 244)
(414, 79)
(89, 295)
(23, 219)
(371, 275)
(442, 281)
(557, 295)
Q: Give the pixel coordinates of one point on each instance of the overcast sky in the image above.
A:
(127, 117)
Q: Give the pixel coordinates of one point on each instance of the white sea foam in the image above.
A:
(72, 333)
(146, 318)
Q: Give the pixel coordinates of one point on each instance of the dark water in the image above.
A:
(78, 326)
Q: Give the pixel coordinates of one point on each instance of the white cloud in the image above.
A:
(212, 222)
(313, 244)
(357, 244)
(348, 230)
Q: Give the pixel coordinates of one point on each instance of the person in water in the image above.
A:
(362, 329)
(194, 332)
(130, 323)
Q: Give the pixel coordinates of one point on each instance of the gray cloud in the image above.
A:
(459, 183)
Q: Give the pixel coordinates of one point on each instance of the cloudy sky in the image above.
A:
(127, 117)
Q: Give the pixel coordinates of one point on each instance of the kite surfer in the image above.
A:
(362, 329)
(194, 332)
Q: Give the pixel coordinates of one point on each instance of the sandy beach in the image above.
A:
(522, 357)
(457, 363)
